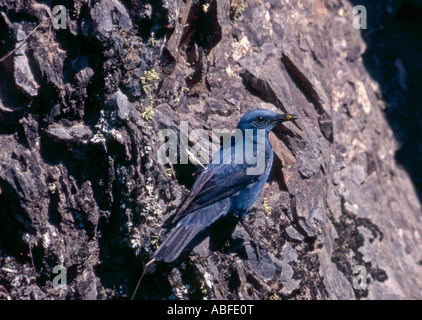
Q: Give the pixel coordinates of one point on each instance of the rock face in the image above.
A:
(82, 187)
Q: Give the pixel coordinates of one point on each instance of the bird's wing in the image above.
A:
(188, 228)
(202, 179)
(216, 182)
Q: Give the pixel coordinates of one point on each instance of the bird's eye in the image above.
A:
(261, 119)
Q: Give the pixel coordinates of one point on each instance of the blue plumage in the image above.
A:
(223, 189)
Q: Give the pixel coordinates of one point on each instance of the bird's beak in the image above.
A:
(285, 117)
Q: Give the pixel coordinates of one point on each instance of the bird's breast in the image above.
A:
(245, 198)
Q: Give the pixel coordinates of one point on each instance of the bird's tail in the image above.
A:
(186, 230)
(177, 240)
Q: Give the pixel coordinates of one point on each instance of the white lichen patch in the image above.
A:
(241, 48)
(181, 291)
(136, 241)
(106, 129)
(206, 286)
(363, 98)
(151, 208)
(46, 240)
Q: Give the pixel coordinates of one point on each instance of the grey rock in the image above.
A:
(24, 78)
(294, 234)
(105, 14)
(81, 185)
(84, 76)
(289, 255)
(121, 104)
(76, 132)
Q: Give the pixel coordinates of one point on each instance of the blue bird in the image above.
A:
(224, 188)
(221, 188)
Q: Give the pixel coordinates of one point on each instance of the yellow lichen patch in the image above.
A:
(183, 89)
(169, 172)
(266, 206)
(155, 241)
(205, 7)
(149, 112)
(148, 79)
(52, 187)
(383, 104)
(275, 296)
(154, 42)
(131, 57)
(236, 8)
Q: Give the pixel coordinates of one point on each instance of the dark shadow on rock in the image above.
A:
(394, 59)
(14, 223)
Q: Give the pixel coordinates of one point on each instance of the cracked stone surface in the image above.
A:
(81, 185)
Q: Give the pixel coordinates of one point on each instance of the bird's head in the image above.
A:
(263, 119)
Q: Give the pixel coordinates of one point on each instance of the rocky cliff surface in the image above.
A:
(83, 98)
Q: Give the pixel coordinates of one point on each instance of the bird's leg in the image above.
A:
(249, 231)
